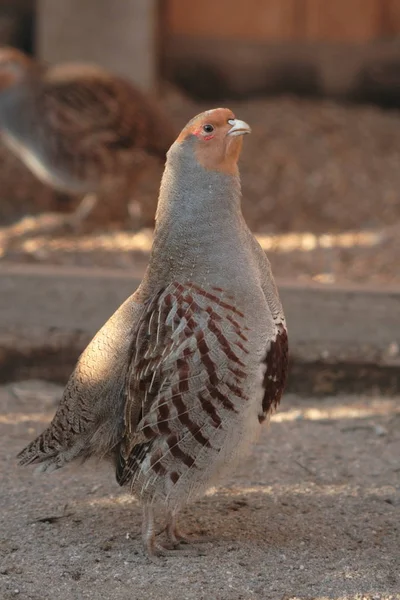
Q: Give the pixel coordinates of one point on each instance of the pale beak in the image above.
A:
(238, 127)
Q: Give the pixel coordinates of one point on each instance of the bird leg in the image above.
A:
(176, 537)
(156, 549)
(82, 212)
(153, 547)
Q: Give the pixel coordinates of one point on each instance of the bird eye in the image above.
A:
(208, 128)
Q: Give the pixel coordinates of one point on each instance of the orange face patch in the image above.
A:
(217, 118)
(215, 150)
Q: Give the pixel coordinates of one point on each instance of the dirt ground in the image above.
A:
(313, 514)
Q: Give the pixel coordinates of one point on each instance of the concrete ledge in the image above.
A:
(48, 315)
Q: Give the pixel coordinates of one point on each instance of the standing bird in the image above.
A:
(80, 130)
(175, 385)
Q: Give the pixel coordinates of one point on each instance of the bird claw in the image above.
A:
(195, 540)
(177, 541)
(157, 552)
(176, 538)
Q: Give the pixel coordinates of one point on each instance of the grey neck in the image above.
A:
(199, 222)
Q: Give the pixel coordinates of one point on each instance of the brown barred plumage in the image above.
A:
(178, 340)
(276, 359)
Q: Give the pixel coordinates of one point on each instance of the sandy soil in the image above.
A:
(314, 514)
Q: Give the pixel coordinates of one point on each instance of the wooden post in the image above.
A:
(120, 35)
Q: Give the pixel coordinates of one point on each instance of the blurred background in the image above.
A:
(318, 81)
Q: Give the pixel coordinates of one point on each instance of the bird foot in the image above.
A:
(188, 540)
(161, 552)
(158, 551)
(176, 537)
(179, 543)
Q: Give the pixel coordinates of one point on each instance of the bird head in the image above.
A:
(216, 139)
(13, 66)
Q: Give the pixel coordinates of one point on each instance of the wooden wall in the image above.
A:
(284, 20)
(111, 33)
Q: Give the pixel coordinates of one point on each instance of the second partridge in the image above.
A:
(81, 130)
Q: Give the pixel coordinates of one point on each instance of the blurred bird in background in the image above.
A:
(83, 131)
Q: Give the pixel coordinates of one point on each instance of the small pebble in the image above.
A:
(380, 431)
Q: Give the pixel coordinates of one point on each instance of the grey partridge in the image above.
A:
(80, 129)
(175, 385)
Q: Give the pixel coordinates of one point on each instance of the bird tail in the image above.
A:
(41, 451)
